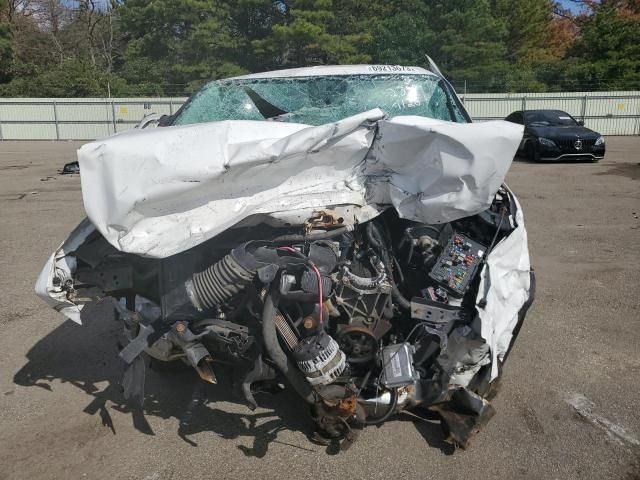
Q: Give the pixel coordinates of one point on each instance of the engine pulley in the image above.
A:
(358, 343)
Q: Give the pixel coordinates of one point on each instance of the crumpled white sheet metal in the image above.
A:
(61, 265)
(434, 171)
(466, 353)
(159, 192)
(505, 279)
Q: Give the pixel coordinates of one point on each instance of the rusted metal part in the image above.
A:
(205, 370)
(338, 415)
(323, 219)
(347, 406)
(463, 415)
(356, 426)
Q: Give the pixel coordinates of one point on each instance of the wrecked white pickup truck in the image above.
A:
(344, 231)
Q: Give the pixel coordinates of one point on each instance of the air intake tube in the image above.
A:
(221, 281)
(224, 279)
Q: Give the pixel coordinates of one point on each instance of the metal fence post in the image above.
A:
(1, 137)
(170, 106)
(55, 119)
(584, 107)
(113, 116)
(524, 103)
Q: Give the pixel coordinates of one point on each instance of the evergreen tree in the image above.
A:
(172, 47)
(470, 42)
(609, 46)
(175, 42)
(403, 34)
(6, 51)
(317, 32)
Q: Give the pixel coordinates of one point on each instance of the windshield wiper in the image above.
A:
(266, 109)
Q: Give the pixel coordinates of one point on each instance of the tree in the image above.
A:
(607, 51)
(317, 32)
(528, 41)
(6, 50)
(254, 21)
(179, 41)
(471, 41)
(403, 34)
(172, 47)
(71, 78)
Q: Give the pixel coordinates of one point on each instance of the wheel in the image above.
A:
(531, 152)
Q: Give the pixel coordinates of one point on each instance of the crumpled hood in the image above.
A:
(162, 191)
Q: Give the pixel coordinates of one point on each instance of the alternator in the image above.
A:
(320, 358)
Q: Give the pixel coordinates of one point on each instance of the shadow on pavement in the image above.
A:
(87, 357)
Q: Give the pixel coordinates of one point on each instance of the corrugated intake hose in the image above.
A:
(222, 280)
(233, 273)
(277, 355)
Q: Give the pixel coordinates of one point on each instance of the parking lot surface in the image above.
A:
(569, 407)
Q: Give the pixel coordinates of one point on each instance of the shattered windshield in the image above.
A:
(321, 99)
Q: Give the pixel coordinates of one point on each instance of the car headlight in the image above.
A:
(546, 142)
(600, 140)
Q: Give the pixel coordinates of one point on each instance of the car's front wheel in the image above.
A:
(531, 152)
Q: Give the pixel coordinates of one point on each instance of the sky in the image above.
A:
(568, 4)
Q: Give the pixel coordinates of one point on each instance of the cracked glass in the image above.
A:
(321, 99)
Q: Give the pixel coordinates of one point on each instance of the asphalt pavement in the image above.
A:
(569, 407)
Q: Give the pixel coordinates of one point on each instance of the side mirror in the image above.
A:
(165, 120)
(581, 123)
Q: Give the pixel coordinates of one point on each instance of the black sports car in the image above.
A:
(556, 135)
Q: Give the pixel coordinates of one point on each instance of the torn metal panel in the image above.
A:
(55, 282)
(433, 171)
(465, 354)
(159, 192)
(463, 415)
(162, 191)
(505, 284)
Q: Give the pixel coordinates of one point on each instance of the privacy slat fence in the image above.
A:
(610, 113)
(76, 118)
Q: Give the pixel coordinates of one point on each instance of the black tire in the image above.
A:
(531, 152)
